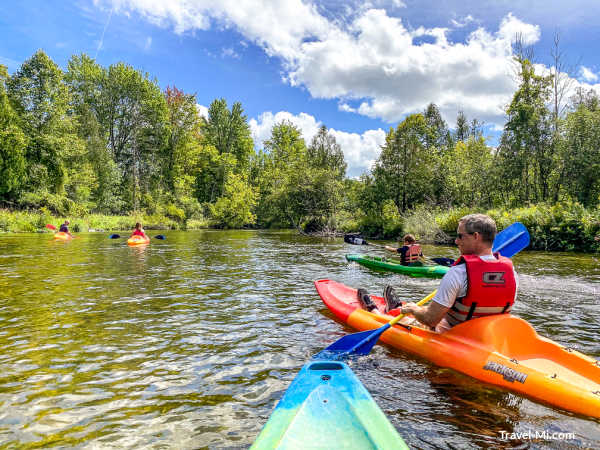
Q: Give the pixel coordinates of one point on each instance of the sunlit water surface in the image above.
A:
(191, 341)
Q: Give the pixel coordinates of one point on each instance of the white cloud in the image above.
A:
(202, 110)
(374, 64)
(229, 53)
(588, 75)
(360, 150)
(511, 26)
(462, 22)
(261, 127)
(148, 43)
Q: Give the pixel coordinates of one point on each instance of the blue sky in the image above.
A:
(357, 67)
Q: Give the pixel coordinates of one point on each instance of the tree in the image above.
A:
(462, 127)
(438, 135)
(324, 152)
(12, 145)
(228, 131)
(182, 143)
(234, 208)
(85, 79)
(471, 173)
(133, 113)
(403, 170)
(41, 99)
(526, 151)
(582, 154)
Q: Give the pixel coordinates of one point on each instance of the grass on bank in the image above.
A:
(28, 222)
(565, 226)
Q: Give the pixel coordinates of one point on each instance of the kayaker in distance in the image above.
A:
(410, 252)
(139, 231)
(492, 290)
(64, 228)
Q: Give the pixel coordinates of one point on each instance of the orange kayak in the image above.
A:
(138, 240)
(503, 350)
(61, 236)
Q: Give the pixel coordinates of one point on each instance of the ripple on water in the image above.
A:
(191, 341)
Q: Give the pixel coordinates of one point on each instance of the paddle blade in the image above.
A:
(162, 237)
(354, 239)
(443, 261)
(511, 240)
(355, 344)
(114, 236)
(50, 227)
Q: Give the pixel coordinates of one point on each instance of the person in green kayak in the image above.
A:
(410, 252)
(480, 283)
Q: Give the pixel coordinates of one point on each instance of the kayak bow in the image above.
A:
(327, 407)
(503, 350)
(62, 236)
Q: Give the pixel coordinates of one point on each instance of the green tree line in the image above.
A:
(107, 140)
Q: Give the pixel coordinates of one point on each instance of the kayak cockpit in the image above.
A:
(515, 339)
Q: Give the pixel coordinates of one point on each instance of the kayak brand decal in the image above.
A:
(507, 373)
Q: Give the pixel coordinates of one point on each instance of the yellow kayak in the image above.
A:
(138, 240)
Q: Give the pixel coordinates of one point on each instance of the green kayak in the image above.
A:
(376, 262)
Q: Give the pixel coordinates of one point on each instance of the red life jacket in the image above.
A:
(491, 288)
(137, 232)
(413, 253)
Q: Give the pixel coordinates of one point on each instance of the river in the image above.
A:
(191, 341)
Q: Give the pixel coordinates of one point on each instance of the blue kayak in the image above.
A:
(327, 407)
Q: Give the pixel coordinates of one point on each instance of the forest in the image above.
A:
(101, 143)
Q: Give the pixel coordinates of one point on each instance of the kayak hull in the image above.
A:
(62, 236)
(378, 263)
(138, 240)
(326, 407)
(503, 350)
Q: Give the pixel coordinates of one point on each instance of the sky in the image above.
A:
(357, 67)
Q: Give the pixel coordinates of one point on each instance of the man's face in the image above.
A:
(466, 242)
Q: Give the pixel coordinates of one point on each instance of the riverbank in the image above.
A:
(566, 226)
(31, 222)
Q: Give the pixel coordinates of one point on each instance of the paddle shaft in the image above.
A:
(394, 321)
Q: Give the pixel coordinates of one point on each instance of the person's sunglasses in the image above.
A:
(461, 235)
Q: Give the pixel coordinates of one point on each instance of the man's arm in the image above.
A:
(428, 315)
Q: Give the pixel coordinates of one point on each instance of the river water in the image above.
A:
(191, 341)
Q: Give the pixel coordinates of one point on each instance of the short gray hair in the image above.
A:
(482, 224)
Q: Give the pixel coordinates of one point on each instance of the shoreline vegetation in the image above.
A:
(106, 147)
(559, 227)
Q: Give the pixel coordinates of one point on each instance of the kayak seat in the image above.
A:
(502, 333)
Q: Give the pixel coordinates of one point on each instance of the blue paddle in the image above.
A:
(508, 242)
(511, 240)
(162, 237)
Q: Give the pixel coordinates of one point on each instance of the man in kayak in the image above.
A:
(139, 231)
(410, 252)
(479, 284)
